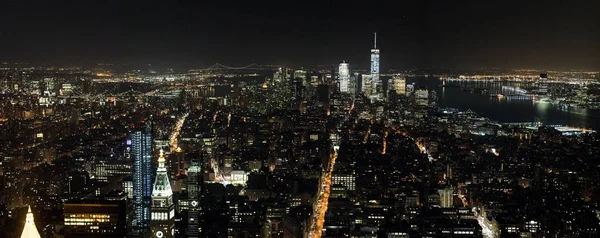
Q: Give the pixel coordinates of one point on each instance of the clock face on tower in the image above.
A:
(159, 234)
(194, 203)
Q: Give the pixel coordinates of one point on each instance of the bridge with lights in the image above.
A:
(220, 68)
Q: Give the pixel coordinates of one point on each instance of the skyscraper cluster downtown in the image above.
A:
(153, 206)
(369, 84)
(278, 152)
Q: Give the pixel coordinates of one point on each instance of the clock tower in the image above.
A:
(162, 211)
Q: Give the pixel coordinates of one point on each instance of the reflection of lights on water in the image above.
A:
(542, 107)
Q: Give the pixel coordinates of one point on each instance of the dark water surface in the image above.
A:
(503, 110)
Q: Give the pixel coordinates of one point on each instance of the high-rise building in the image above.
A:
(357, 80)
(375, 68)
(543, 84)
(447, 197)
(194, 191)
(399, 85)
(176, 164)
(422, 97)
(297, 86)
(99, 218)
(300, 74)
(367, 84)
(141, 144)
(344, 77)
(162, 221)
(410, 88)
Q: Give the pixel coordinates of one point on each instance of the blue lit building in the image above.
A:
(141, 153)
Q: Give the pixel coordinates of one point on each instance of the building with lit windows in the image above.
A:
(399, 85)
(447, 197)
(344, 77)
(102, 170)
(300, 74)
(410, 88)
(128, 188)
(422, 97)
(194, 191)
(375, 68)
(346, 180)
(543, 84)
(67, 89)
(141, 151)
(97, 218)
(367, 84)
(162, 219)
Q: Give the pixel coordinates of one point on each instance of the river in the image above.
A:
(503, 110)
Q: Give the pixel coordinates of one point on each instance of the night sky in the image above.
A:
(422, 34)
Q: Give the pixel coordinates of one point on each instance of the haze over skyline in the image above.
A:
(422, 34)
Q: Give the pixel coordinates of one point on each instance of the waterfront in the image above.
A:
(505, 110)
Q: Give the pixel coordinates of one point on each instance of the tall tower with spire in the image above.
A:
(375, 68)
(162, 218)
(30, 230)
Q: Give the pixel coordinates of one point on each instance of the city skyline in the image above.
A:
(465, 35)
(319, 119)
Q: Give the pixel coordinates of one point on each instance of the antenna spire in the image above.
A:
(375, 40)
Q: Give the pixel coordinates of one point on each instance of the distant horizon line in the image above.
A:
(162, 65)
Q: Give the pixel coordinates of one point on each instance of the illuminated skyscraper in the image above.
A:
(194, 191)
(447, 197)
(375, 68)
(422, 97)
(543, 84)
(141, 144)
(367, 85)
(399, 85)
(162, 221)
(344, 77)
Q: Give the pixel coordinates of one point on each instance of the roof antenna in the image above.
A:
(375, 40)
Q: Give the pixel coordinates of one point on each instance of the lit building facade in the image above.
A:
(543, 84)
(141, 144)
(399, 85)
(344, 77)
(95, 219)
(375, 68)
(239, 177)
(102, 170)
(422, 97)
(194, 191)
(346, 180)
(367, 85)
(162, 221)
(30, 230)
(300, 74)
(447, 197)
